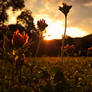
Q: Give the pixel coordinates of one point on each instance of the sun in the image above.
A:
(55, 30)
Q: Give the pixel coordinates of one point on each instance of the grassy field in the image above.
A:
(47, 74)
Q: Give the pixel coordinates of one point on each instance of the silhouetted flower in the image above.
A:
(41, 24)
(19, 39)
(65, 8)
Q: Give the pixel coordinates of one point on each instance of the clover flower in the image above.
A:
(41, 24)
(65, 8)
(19, 39)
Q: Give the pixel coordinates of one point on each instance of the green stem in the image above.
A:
(37, 50)
(63, 39)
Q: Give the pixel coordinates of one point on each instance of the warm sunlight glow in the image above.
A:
(55, 30)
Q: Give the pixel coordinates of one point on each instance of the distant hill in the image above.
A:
(53, 47)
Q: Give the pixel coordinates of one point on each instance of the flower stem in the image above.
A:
(38, 46)
(63, 39)
(37, 50)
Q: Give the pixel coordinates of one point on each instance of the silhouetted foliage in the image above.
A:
(27, 20)
(3, 14)
(28, 23)
(65, 9)
(5, 4)
(16, 4)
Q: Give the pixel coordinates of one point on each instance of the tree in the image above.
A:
(3, 15)
(5, 4)
(26, 20)
(41, 24)
(16, 4)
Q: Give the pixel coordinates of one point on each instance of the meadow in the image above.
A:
(47, 74)
(21, 70)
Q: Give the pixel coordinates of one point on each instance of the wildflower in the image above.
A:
(65, 8)
(90, 49)
(41, 24)
(67, 46)
(19, 39)
(69, 49)
(73, 47)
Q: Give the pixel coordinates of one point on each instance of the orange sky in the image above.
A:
(55, 29)
(79, 17)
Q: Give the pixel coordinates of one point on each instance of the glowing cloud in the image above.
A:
(78, 16)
